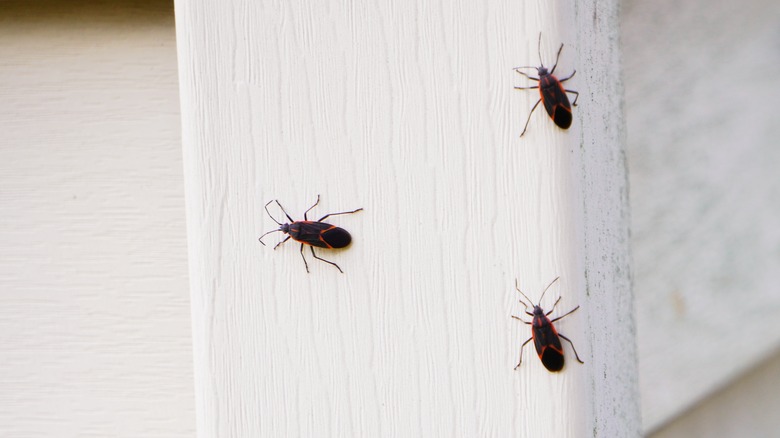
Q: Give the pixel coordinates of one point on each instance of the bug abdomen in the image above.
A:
(552, 360)
(556, 103)
(336, 237)
(548, 344)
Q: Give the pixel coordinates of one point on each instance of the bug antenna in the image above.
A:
(548, 286)
(269, 215)
(521, 293)
(260, 239)
(540, 50)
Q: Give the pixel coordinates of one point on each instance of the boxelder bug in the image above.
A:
(546, 338)
(551, 92)
(314, 233)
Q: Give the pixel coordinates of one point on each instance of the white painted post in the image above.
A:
(408, 111)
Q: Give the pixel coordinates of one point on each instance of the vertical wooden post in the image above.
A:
(407, 111)
(613, 380)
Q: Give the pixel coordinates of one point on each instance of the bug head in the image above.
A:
(536, 307)
(285, 228)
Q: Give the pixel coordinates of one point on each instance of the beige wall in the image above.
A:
(745, 408)
(94, 305)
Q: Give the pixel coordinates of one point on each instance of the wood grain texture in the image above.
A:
(94, 310)
(701, 78)
(408, 111)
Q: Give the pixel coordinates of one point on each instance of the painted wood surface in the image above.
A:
(407, 110)
(61, 112)
(704, 194)
(94, 306)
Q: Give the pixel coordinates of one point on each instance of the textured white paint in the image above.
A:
(408, 111)
(703, 79)
(94, 310)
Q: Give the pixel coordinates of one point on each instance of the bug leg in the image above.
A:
(572, 346)
(521, 351)
(553, 307)
(336, 214)
(304, 258)
(567, 313)
(575, 98)
(570, 76)
(285, 240)
(521, 319)
(529, 117)
(320, 258)
(307, 211)
(527, 88)
(526, 74)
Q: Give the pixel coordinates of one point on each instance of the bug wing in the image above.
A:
(322, 235)
(557, 105)
(310, 233)
(336, 237)
(548, 347)
(552, 360)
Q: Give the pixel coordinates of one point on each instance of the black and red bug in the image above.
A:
(313, 233)
(546, 338)
(551, 92)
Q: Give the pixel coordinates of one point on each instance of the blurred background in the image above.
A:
(705, 205)
(93, 215)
